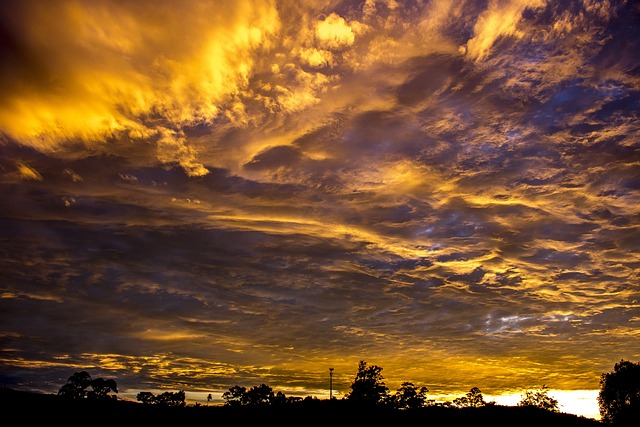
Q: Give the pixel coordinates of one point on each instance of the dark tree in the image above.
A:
(408, 396)
(619, 397)
(294, 399)
(102, 389)
(76, 386)
(539, 398)
(146, 397)
(260, 395)
(368, 385)
(473, 399)
(81, 386)
(235, 396)
(166, 399)
(280, 399)
(171, 399)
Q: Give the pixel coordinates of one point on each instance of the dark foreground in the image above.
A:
(42, 409)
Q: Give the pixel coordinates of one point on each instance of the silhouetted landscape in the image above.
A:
(369, 402)
(52, 409)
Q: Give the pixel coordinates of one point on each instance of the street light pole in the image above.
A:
(330, 383)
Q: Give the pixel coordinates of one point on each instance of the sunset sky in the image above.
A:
(198, 194)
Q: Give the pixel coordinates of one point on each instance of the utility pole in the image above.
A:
(330, 384)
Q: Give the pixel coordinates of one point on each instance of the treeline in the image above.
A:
(368, 388)
(618, 400)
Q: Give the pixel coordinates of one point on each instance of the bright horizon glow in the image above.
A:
(577, 402)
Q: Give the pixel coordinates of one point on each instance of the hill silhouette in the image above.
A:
(49, 409)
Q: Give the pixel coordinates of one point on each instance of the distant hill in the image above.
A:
(50, 409)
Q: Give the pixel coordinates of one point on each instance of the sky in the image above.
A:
(199, 194)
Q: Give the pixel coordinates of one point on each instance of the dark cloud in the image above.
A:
(274, 158)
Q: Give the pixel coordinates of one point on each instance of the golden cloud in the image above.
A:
(316, 58)
(334, 32)
(95, 70)
(28, 173)
(500, 19)
(173, 147)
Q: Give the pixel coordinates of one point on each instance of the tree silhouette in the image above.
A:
(280, 399)
(294, 399)
(539, 398)
(146, 397)
(235, 396)
(260, 395)
(101, 389)
(409, 396)
(76, 386)
(171, 399)
(81, 386)
(473, 399)
(619, 397)
(166, 399)
(368, 385)
(619, 401)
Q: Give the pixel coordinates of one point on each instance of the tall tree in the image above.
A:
(260, 395)
(619, 397)
(235, 396)
(102, 389)
(80, 385)
(473, 399)
(368, 385)
(539, 398)
(76, 386)
(408, 396)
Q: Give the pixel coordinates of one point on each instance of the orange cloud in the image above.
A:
(105, 69)
(28, 173)
(334, 32)
(500, 19)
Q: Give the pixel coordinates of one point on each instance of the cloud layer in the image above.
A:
(223, 193)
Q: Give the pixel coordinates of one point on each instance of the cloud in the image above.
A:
(316, 58)
(273, 158)
(499, 20)
(73, 175)
(28, 173)
(334, 32)
(101, 70)
(173, 147)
